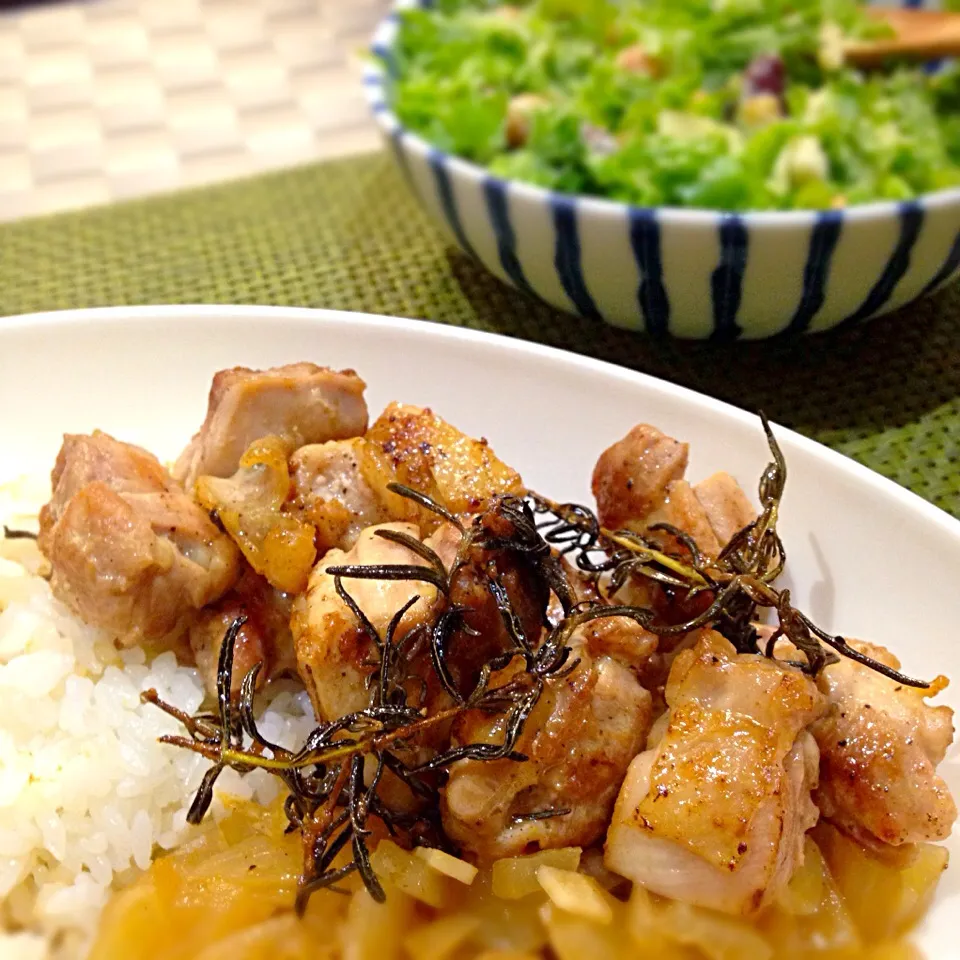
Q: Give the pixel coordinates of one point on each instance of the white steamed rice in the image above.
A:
(87, 795)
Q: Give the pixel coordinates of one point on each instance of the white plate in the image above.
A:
(865, 556)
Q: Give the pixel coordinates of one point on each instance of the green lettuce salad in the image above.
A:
(724, 104)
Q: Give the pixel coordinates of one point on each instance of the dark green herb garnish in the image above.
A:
(333, 780)
(333, 787)
(541, 815)
(11, 534)
(738, 582)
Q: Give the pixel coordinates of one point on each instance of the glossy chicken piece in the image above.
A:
(880, 744)
(415, 447)
(631, 478)
(300, 402)
(726, 506)
(639, 482)
(711, 512)
(624, 640)
(580, 740)
(329, 491)
(130, 552)
(715, 812)
(265, 638)
(483, 634)
(251, 507)
(682, 509)
(334, 656)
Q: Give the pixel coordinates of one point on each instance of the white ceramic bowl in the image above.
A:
(143, 373)
(689, 273)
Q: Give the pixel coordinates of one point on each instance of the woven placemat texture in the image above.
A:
(348, 235)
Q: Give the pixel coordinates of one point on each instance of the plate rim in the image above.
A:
(229, 313)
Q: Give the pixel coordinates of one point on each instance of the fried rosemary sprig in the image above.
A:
(524, 542)
(330, 798)
(333, 780)
(10, 533)
(740, 580)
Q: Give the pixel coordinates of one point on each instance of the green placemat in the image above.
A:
(347, 235)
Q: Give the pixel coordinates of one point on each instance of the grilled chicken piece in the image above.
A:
(483, 634)
(725, 504)
(880, 744)
(330, 492)
(415, 447)
(631, 477)
(265, 638)
(639, 482)
(711, 512)
(682, 509)
(130, 552)
(250, 506)
(342, 486)
(714, 812)
(301, 403)
(579, 741)
(334, 656)
(618, 637)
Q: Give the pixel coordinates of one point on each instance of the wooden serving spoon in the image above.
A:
(918, 35)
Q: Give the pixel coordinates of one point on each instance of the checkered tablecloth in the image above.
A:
(108, 99)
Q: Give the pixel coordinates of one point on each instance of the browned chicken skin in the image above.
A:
(330, 492)
(580, 740)
(413, 446)
(880, 744)
(715, 811)
(631, 477)
(130, 552)
(300, 403)
(639, 481)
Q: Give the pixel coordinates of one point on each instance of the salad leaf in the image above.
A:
(749, 80)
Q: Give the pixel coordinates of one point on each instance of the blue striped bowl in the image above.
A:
(689, 273)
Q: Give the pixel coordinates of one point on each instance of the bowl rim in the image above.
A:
(375, 79)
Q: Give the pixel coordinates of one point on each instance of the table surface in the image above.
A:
(103, 100)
